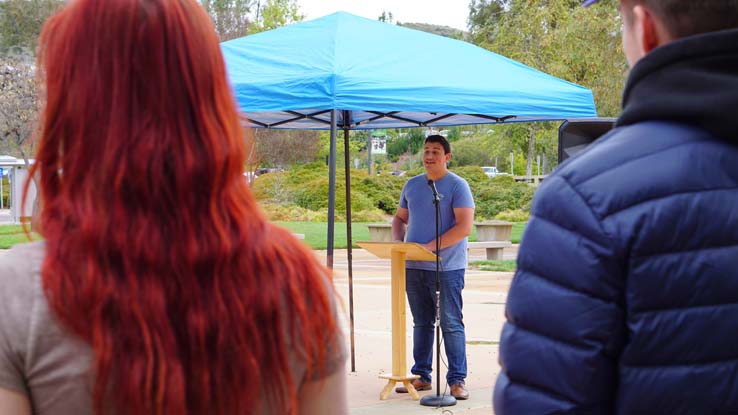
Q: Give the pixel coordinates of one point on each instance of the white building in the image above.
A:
(17, 172)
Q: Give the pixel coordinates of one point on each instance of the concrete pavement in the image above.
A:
(5, 217)
(484, 302)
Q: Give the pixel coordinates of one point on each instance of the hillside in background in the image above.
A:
(436, 29)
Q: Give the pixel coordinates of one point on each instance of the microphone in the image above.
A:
(432, 185)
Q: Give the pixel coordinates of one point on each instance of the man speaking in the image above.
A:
(416, 215)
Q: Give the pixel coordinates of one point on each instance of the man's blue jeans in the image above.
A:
(421, 295)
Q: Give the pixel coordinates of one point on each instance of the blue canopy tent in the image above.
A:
(348, 72)
(386, 76)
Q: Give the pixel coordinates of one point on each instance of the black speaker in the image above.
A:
(576, 134)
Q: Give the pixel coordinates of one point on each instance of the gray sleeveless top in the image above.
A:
(39, 359)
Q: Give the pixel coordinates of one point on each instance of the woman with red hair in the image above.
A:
(160, 287)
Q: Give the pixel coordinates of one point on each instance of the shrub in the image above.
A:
(383, 191)
(517, 215)
(373, 215)
(299, 175)
(415, 171)
(313, 195)
(291, 213)
(467, 152)
(473, 175)
(500, 194)
(272, 187)
(302, 193)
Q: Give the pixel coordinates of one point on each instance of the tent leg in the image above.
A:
(331, 191)
(349, 242)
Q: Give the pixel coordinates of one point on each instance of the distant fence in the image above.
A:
(536, 180)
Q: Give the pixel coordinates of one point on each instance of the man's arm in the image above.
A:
(399, 223)
(463, 227)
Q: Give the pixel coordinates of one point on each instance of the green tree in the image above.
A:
(230, 17)
(558, 37)
(21, 21)
(20, 25)
(283, 148)
(469, 152)
(483, 18)
(397, 146)
(18, 108)
(435, 29)
(275, 13)
(454, 133)
(385, 17)
(416, 139)
(18, 103)
(590, 54)
(358, 141)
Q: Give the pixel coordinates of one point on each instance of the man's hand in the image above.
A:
(430, 245)
(464, 221)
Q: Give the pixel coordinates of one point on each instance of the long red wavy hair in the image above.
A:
(157, 255)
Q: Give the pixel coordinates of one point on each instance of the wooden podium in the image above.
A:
(398, 252)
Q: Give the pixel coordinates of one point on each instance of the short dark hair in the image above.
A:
(690, 17)
(435, 138)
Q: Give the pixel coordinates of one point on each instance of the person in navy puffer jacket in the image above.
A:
(626, 296)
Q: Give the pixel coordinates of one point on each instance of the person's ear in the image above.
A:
(448, 157)
(650, 30)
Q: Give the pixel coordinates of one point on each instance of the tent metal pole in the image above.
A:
(369, 152)
(331, 190)
(349, 242)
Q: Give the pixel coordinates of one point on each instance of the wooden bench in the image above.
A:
(494, 236)
(493, 230)
(493, 248)
(380, 232)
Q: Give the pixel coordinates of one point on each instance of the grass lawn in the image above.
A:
(502, 265)
(13, 234)
(316, 233)
(517, 232)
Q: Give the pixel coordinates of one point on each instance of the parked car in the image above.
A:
(490, 171)
(265, 170)
(250, 176)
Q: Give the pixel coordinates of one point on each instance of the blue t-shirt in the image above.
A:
(417, 198)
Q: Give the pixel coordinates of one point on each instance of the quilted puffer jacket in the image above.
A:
(626, 296)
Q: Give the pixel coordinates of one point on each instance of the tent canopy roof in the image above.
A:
(380, 75)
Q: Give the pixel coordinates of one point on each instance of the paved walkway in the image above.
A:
(484, 302)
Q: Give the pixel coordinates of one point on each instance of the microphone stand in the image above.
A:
(437, 400)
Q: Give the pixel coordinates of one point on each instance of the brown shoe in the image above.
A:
(418, 384)
(458, 391)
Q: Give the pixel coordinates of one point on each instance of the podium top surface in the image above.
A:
(412, 250)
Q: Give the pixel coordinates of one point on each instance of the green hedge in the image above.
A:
(304, 189)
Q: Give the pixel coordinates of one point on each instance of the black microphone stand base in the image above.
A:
(438, 400)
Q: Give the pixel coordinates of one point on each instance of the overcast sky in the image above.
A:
(451, 13)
